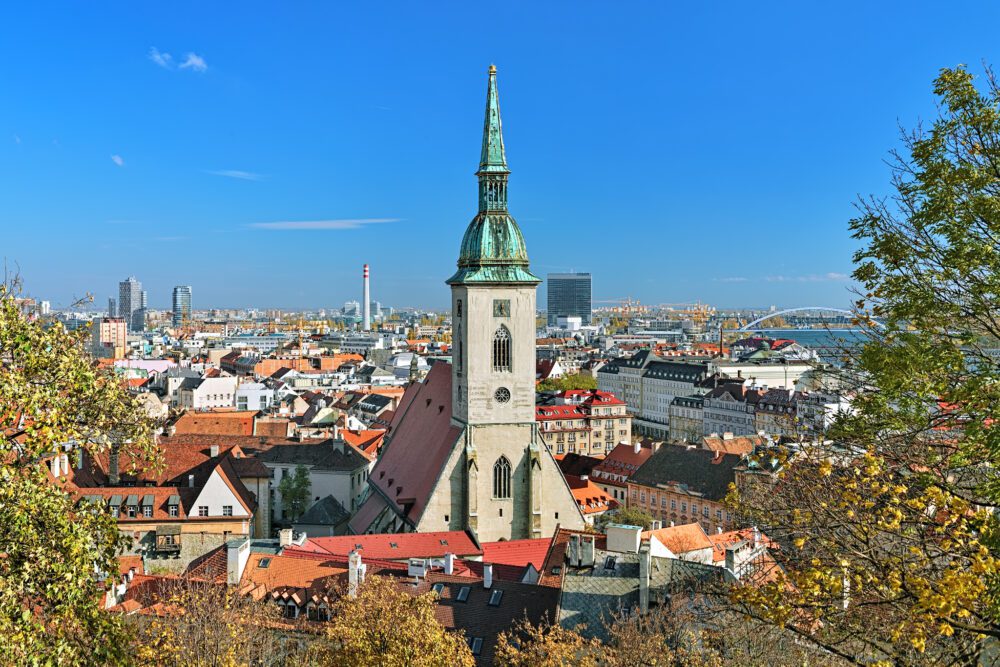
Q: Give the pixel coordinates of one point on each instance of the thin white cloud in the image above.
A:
(118, 160)
(352, 223)
(164, 60)
(17, 139)
(811, 278)
(236, 173)
(734, 279)
(194, 62)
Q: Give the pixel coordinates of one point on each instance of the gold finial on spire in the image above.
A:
(493, 69)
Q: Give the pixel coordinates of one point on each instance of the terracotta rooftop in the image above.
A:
(398, 546)
(216, 422)
(681, 539)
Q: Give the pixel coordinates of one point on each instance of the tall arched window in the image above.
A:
(501, 478)
(501, 350)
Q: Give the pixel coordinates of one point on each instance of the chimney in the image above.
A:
(366, 319)
(355, 573)
(285, 537)
(79, 458)
(190, 480)
(487, 575)
(113, 477)
(623, 539)
(728, 435)
(237, 554)
(131, 573)
(170, 430)
(756, 537)
(644, 567)
(573, 550)
(449, 563)
(731, 557)
(213, 451)
(587, 551)
(718, 530)
(672, 524)
(637, 447)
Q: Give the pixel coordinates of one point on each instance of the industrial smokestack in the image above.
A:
(366, 318)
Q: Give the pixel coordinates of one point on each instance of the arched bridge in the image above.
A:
(752, 325)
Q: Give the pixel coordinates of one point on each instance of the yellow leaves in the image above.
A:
(825, 468)
(799, 542)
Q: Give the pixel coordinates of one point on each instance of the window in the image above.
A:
(463, 594)
(704, 510)
(673, 504)
(147, 511)
(202, 510)
(718, 515)
(227, 510)
(694, 509)
(501, 350)
(131, 511)
(663, 502)
(173, 510)
(501, 478)
(475, 645)
(495, 598)
(263, 563)
(437, 588)
(458, 308)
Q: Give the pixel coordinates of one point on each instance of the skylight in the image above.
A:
(463, 594)
(495, 598)
(437, 588)
(263, 563)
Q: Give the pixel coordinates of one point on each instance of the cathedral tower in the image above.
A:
(493, 361)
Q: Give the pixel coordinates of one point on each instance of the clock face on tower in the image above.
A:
(501, 307)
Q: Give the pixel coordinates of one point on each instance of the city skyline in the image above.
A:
(185, 139)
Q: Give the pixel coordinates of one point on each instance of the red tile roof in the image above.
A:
(419, 441)
(216, 423)
(398, 546)
(368, 441)
(681, 539)
(517, 552)
(591, 498)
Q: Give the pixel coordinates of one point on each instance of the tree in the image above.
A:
(295, 490)
(568, 382)
(890, 543)
(211, 624)
(673, 636)
(54, 401)
(629, 516)
(388, 627)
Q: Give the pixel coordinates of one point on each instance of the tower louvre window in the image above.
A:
(501, 350)
(501, 478)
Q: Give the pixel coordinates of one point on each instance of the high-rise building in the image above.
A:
(181, 305)
(108, 338)
(130, 304)
(112, 307)
(569, 296)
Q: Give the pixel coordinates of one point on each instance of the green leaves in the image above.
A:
(53, 401)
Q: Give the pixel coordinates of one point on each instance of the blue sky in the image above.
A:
(678, 151)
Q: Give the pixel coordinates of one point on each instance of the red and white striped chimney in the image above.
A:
(366, 318)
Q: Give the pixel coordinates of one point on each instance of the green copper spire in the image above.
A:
(493, 249)
(494, 158)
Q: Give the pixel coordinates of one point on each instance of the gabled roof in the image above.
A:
(420, 439)
(681, 539)
(698, 471)
(398, 546)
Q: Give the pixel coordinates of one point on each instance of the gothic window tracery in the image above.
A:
(501, 478)
(501, 350)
